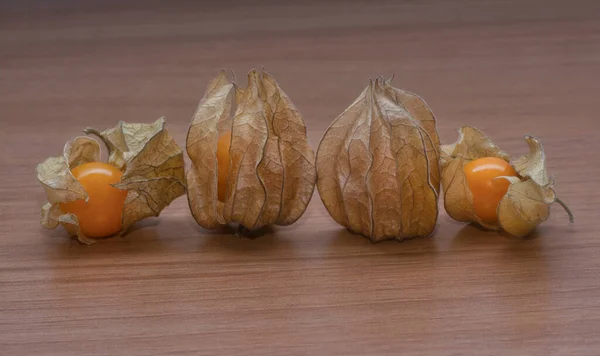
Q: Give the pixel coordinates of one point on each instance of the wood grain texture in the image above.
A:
(508, 67)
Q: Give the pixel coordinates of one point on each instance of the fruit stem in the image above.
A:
(241, 232)
(562, 203)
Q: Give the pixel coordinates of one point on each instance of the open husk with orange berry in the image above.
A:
(252, 164)
(93, 199)
(483, 185)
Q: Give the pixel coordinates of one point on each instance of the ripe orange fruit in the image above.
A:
(487, 191)
(101, 215)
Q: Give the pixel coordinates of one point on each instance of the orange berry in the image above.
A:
(487, 191)
(102, 214)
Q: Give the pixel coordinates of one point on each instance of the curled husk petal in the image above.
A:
(152, 165)
(527, 202)
(271, 173)
(378, 165)
(533, 165)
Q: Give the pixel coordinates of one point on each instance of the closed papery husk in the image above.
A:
(151, 162)
(378, 165)
(271, 172)
(527, 202)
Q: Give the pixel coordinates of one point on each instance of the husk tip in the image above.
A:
(91, 131)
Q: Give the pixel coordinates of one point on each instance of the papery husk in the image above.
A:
(527, 201)
(271, 173)
(152, 165)
(378, 165)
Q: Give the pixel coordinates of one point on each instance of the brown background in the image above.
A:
(509, 67)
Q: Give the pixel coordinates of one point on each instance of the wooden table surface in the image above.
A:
(508, 67)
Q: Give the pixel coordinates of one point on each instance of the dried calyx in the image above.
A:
(527, 202)
(152, 166)
(270, 173)
(378, 165)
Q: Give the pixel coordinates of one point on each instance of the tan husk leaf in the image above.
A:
(271, 173)
(201, 147)
(527, 201)
(377, 165)
(152, 165)
(525, 205)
